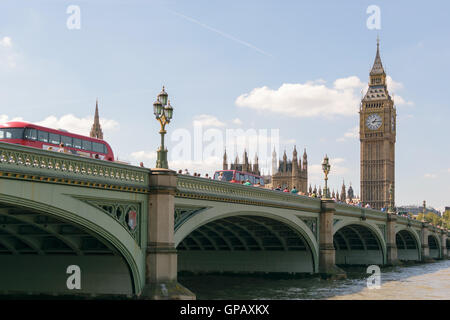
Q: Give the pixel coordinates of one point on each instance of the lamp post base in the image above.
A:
(161, 161)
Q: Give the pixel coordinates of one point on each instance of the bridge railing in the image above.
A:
(17, 161)
(214, 190)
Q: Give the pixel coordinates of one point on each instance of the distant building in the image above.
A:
(416, 210)
(245, 166)
(291, 173)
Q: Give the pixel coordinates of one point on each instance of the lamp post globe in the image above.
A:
(157, 106)
(163, 96)
(163, 112)
(168, 111)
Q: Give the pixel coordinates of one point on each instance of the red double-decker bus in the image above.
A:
(31, 135)
(236, 176)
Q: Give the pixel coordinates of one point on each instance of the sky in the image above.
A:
(282, 72)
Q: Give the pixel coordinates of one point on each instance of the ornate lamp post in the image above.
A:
(326, 169)
(163, 112)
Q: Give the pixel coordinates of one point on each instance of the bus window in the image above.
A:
(30, 134)
(54, 138)
(42, 136)
(11, 133)
(67, 141)
(227, 175)
(86, 145)
(77, 143)
(98, 147)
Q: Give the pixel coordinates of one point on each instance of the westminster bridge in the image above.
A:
(128, 230)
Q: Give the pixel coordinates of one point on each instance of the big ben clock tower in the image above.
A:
(377, 128)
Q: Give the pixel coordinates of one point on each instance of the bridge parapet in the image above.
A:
(214, 190)
(363, 213)
(21, 162)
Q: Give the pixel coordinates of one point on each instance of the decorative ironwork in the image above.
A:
(382, 227)
(22, 159)
(183, 213)
(128, 214)
(206, 189)
(312, 225)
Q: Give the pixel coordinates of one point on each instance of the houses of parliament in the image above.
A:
(377, 135)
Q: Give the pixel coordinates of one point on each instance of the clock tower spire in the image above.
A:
(377, 134)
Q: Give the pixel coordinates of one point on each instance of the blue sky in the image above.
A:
(311, 57)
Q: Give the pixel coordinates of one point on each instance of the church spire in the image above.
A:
(96, 130)
(225, 163)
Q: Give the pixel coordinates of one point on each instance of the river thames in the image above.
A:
(421, 281)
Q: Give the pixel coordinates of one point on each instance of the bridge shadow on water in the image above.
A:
(295, 287)
(273, 286)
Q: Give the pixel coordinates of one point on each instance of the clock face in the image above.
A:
(373, 121)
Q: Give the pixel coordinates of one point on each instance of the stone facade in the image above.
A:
(292, 173)
(245, 166)
(377, 137)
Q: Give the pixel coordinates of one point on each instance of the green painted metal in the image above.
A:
(24, 182)
(32, 161)
(97, 196)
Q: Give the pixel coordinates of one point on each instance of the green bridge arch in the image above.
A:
(353, 253)
(434, 245)
(408, 250)
(71, 205)
(280, 217)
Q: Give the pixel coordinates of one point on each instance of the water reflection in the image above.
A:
(423, 281)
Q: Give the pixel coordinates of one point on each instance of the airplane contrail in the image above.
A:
(223, 34)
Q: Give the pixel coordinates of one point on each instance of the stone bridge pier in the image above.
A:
(444, 245)
(161, 258)
(327, 252)
(424, 239)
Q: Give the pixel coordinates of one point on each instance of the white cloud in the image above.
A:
(350, 134)
(68, 122)
(314, 98)
(8, 58)
(6, 42)
(430, 176)
(207, 120)
(336, 168)
(393, 87)
(77, 125)
(208, 165)
(348, 83)
(144, 156)
(310, 99)
(237, 121)
(5, 118)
